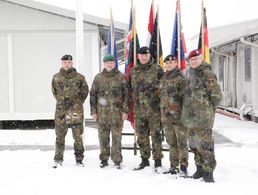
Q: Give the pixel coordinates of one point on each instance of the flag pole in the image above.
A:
(111, 32)
(79, 35)
(153, 10)
(203, 52)
(134, 38)
(158, 62)
(179, 35)
(134, 63)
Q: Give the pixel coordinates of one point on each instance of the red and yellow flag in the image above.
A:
(130, 59)
(203, 44)
(150, 24)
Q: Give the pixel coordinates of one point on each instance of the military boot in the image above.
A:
(172, 170)
(208, 177)
(157, 166)
(157, 163)
(79, 163)
(183, 170)
(143, 164)
(103, 163)
(117, 165)
(57, 163)
(199, 172)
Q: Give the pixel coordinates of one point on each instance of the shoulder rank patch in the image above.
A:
(211, 82)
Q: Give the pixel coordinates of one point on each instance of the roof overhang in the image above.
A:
(66, 13)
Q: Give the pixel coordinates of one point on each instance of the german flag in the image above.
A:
(203, 45)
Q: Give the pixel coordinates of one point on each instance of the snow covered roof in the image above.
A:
(228, 33)
(65, 13)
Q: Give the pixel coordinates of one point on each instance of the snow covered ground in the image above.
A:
(29, 172)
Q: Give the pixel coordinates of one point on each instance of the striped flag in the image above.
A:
(131, 49)
(178, 46)
(150, 24)
(203, 44)
(155, 43)
(111, 47)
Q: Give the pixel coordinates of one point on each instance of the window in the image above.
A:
(248, 64)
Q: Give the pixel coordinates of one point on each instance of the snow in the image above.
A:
(28, 171)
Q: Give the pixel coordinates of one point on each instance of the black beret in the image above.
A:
(144, 50)
(67, 57)
(170, 58)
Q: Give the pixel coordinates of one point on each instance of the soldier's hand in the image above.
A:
(124, 116)
(94, 116)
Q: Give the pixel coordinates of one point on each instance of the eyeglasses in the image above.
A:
(195, 58)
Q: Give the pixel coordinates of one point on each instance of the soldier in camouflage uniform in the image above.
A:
(172, 86)
(70, 91)
(202, 96)
(109, 102)
(144, 82)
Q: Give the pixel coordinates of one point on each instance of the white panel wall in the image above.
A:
(36, 59)
(39, 40)
(4, 90)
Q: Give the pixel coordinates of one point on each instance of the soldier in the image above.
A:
(70, 91)
(202, 96)
(109, 102)
(172, 86)
(144, 83)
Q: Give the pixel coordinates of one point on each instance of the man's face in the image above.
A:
(144, 58)
(67, 64)
(196, 61)
(109, 65)
(170, 65)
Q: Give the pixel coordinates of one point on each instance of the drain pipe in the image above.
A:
(244, 110)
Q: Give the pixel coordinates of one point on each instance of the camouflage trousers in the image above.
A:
(176, 137)
(202, 144)
(61, 131)
(146, 127)
(104, 141)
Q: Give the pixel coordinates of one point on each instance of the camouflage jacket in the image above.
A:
(109, 96)
(144, 83)
(172, 86)
(70, 91)
(202, 96)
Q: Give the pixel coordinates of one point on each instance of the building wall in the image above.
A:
(31, 45)
(4, 90)
(222, 68)
(255, 79)
(244, 87)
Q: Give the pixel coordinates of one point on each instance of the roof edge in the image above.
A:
(66, 13)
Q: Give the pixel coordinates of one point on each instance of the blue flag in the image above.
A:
(111, 47)
(174, 46)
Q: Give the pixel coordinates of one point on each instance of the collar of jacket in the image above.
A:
(68, 73)
(173, 73)
(111, 73)
(145, 66)
(202, 67)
